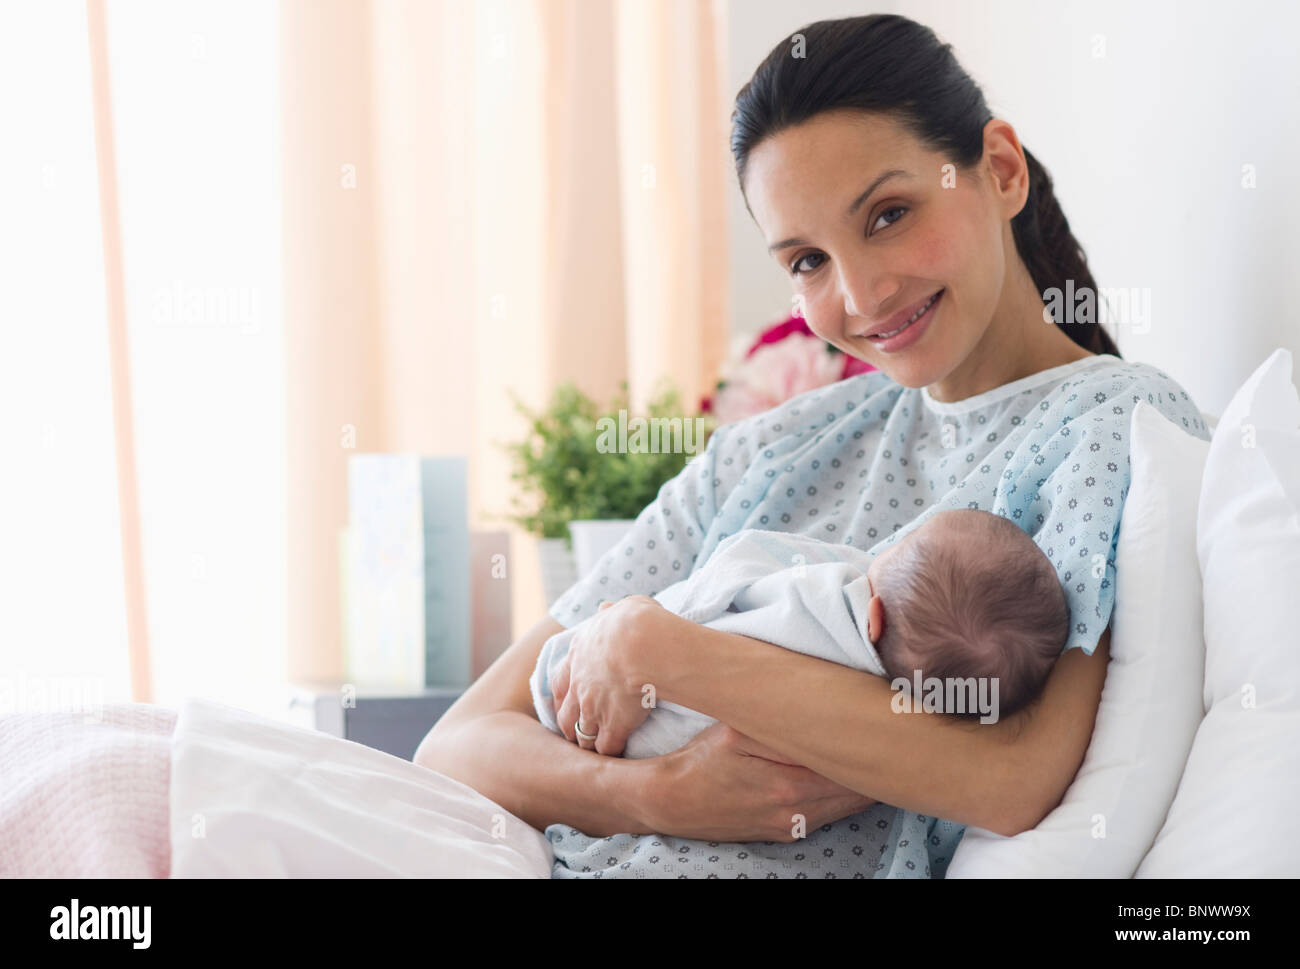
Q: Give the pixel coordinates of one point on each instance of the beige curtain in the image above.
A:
(480, 197)
(124, 450)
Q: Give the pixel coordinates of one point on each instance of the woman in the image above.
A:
(899, 206)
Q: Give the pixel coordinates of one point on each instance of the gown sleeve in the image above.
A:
(661, 546)
(1067, 482)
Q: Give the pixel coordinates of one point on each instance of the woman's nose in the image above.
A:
(863, 296)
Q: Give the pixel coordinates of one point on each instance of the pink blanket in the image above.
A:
(98, 782)
(210, 790)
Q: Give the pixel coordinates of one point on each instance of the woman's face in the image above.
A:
(861, 264)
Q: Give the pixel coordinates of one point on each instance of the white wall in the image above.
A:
(1146, 146)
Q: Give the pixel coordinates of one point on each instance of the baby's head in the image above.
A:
(968, 594)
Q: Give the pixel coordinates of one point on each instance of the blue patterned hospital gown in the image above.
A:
(863, 462)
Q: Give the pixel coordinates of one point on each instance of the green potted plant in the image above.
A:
(584, 473)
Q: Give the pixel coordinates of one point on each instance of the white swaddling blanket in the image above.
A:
(795, 591)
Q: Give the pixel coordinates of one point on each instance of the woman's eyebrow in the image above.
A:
(880, 180)
(857, 204)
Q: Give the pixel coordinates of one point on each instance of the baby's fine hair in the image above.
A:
(985, 604)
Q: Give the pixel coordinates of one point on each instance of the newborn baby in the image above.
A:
(967, 598)
(968, 594)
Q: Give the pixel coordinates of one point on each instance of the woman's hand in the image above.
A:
(724, 786)
(601, 675)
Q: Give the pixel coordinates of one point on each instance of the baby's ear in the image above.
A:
(875, 619)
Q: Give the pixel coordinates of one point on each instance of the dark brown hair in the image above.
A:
(887, 64)
(1000, 613)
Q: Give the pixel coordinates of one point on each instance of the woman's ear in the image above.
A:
(1006, 159)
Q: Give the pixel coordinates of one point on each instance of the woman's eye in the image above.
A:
(896, 208)
(798, 268)
(795, 270)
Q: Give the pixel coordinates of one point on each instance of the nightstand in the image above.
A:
(392, 721)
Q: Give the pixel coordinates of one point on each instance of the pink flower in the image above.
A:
(798, 325)
(777, 333)
(774, 372)
(751, 391)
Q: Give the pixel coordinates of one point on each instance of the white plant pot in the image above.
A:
(593, 538)
(558, 571)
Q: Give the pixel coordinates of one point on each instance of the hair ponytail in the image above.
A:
(888, 64)
(1054, 257)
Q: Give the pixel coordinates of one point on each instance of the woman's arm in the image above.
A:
(722, 786)
(491, 740)
(838, 722)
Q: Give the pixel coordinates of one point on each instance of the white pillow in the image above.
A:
(1234, 814)
(1151, 703)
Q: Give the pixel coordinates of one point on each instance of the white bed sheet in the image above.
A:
(255, 797)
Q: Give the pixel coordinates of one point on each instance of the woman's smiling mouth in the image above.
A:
(909, 331)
